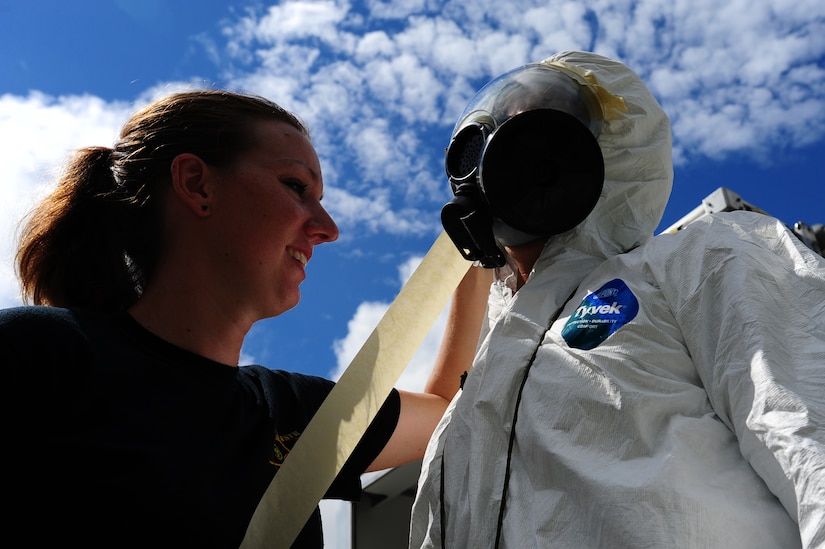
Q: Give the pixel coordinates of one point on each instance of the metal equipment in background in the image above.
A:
(725, 200)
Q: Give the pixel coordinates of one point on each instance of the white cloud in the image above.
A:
(301, 19)
(739, 77)
(366, 318)
(37, 133)
(375, 44)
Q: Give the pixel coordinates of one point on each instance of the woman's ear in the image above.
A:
(192, 182)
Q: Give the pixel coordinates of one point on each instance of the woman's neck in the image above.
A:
(190, 327)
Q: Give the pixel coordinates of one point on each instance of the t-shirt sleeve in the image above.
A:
(347, 485)
(43, 349)
(45, 357)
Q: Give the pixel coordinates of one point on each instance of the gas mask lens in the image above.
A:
(542, 173)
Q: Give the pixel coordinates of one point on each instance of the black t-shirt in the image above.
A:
(118, 438)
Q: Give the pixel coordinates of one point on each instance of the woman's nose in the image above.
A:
(322, 226)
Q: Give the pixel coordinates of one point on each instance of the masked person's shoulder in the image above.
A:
(738, 242)
(754, 230)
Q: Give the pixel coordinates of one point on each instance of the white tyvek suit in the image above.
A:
(699, 422)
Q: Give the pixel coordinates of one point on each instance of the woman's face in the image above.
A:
(268, 218)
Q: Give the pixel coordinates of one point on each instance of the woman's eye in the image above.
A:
(296, 185)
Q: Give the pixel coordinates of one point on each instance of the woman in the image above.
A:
(146, 267)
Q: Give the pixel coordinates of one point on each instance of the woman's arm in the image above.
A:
(421, 412)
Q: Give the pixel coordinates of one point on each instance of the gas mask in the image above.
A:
(523, 162)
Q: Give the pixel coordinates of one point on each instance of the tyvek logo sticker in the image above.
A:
(600, 314)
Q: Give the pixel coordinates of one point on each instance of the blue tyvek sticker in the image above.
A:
(600, 314)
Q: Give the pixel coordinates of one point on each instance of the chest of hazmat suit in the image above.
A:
(640, 392)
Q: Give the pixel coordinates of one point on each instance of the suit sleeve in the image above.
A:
(750, 299)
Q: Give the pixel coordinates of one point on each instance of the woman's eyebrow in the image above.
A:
(315, 175)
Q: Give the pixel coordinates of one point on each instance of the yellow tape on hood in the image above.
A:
(612, 105)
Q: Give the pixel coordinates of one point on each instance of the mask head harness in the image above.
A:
(523, 162)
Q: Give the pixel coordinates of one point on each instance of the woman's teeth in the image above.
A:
(299, 256)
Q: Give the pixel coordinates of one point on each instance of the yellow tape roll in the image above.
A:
(342, 419)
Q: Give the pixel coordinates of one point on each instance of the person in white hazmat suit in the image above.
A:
(627, 391)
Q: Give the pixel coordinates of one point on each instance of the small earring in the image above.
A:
(204, 207)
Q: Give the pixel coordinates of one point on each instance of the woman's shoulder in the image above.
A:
(285, 387)
(43, 343)
(38, 334)
(269, 377)
(23, 320)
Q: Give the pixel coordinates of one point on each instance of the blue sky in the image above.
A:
(380, 85)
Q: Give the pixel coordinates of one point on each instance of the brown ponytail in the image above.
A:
(95, 240)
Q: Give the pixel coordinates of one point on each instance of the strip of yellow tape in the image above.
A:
(342, 419)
